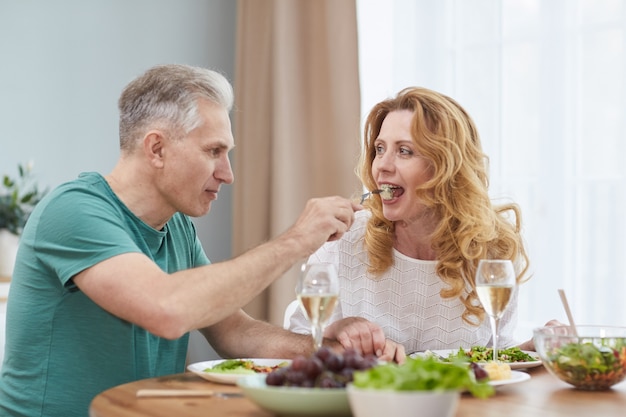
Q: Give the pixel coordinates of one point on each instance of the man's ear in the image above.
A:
(153, 147)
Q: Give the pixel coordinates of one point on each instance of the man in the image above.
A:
(111, 277)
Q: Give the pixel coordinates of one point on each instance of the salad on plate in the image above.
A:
(229, 371)
(513, 356)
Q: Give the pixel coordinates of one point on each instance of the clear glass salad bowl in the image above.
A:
(588, 357)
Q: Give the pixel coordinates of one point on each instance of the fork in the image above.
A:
(366, 195)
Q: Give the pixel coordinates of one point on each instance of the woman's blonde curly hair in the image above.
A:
(470, 227)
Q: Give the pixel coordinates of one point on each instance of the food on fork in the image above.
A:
(386, 192)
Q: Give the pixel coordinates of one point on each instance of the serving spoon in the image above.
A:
(570, 318)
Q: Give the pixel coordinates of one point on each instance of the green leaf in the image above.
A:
(28, 197)
(423, 374)
(17, 199)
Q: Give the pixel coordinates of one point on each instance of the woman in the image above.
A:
(408, 262)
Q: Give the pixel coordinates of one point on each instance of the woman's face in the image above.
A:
(398, 164)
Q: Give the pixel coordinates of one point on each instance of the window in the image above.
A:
(544, 82)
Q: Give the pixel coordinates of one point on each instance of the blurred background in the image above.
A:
(63, 66)
(544, 81)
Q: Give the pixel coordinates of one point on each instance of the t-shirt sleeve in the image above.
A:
(77, 230)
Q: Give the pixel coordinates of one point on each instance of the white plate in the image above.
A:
(295, 401)
(444, 353)
(200, 368)
(516, 376)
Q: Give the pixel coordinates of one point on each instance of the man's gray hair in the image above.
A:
(166, 96)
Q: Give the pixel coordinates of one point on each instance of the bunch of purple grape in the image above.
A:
(324, 369)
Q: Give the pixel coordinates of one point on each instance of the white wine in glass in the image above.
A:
(317, 291)
(495, 281)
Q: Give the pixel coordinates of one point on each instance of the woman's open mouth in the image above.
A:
(389, 192)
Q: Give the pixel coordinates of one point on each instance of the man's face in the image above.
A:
(196, 166)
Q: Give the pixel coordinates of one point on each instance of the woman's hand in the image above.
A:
(530, 344)
(366, 337)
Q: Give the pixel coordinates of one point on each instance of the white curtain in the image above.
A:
(544, 81)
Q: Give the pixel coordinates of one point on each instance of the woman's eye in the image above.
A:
(406, 151)
(379, 150)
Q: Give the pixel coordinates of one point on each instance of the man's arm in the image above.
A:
(134, 288)
(255, 338)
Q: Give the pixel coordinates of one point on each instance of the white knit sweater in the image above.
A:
(405, 301)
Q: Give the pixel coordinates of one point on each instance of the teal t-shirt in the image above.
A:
(61, 348)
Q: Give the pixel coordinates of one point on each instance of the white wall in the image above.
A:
(63, 64)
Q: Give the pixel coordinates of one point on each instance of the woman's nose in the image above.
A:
(384, 162)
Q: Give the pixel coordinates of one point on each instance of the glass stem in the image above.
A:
(317, 336)
(494, 330)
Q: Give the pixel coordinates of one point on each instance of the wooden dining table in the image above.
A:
(541, 395)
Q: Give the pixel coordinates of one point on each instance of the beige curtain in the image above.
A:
(296, 121)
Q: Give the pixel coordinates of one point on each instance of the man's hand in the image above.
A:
(322, 220)
(366, 337)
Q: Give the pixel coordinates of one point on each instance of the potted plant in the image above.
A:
(18, 197)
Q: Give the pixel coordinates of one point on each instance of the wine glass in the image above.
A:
(495, 280)
(317, 291)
